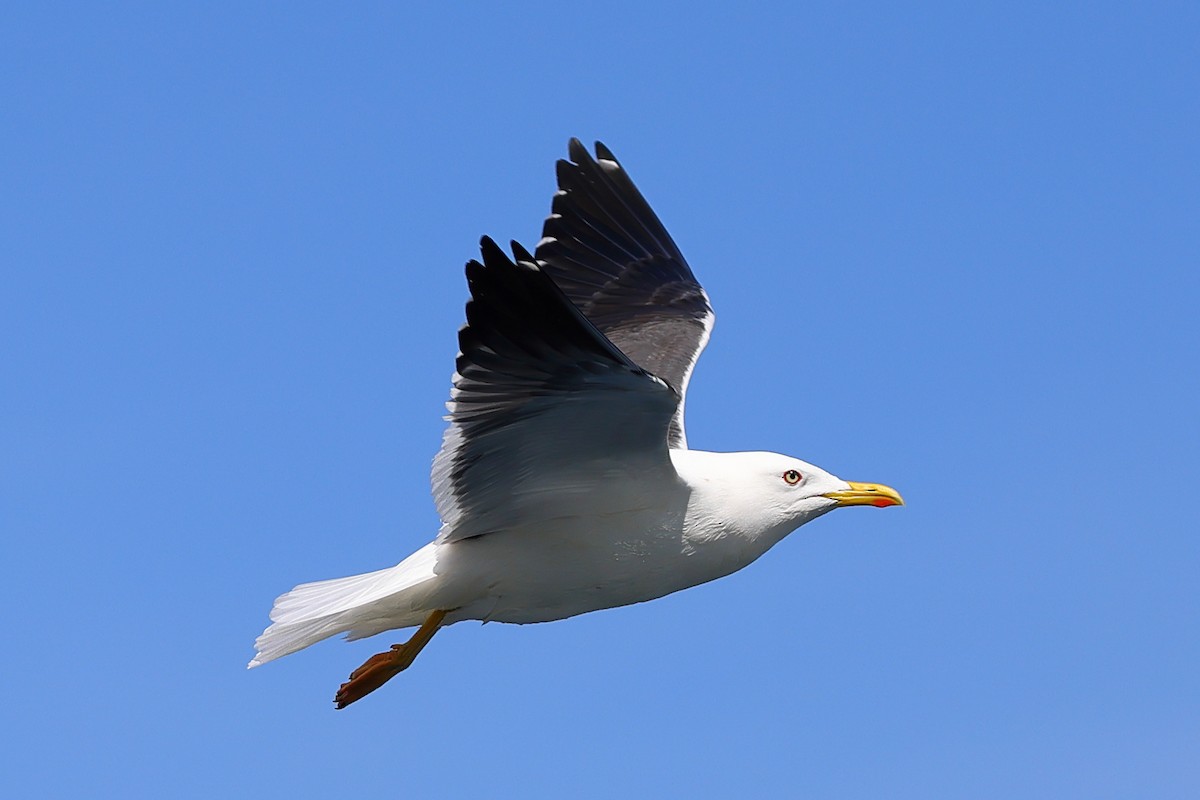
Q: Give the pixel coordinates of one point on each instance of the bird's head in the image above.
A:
(781, 493)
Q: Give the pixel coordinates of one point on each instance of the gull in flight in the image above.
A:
(565, 483)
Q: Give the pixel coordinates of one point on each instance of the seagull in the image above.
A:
(565, 483)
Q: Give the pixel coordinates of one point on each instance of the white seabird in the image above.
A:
(564, 481)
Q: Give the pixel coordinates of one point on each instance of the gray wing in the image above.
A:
(608, 252)
(543, 405)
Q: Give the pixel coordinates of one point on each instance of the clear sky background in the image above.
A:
(952, 248)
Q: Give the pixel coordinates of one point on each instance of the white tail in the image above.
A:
(315, 611)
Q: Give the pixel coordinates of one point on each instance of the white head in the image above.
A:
(770, 495)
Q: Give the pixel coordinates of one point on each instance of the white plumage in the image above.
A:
(564, 481)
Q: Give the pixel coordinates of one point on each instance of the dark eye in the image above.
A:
(791, 477)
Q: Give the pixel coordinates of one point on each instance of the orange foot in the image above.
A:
(378, 670)
(382, 667)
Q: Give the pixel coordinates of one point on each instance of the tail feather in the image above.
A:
(315, 611)
(325, 598)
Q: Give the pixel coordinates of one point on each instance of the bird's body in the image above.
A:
(564, 483)
(656, 534)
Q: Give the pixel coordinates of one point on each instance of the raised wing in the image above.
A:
(608, 252)
(543, 408)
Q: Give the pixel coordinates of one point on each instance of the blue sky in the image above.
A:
(952, 248)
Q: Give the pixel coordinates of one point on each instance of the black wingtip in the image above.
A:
(520, 253)
(578, 153)
(563, 169)
(491, 251)
(604, 153)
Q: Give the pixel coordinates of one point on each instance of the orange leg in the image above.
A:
(381, 668)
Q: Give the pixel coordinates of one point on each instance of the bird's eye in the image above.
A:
(791, 477)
